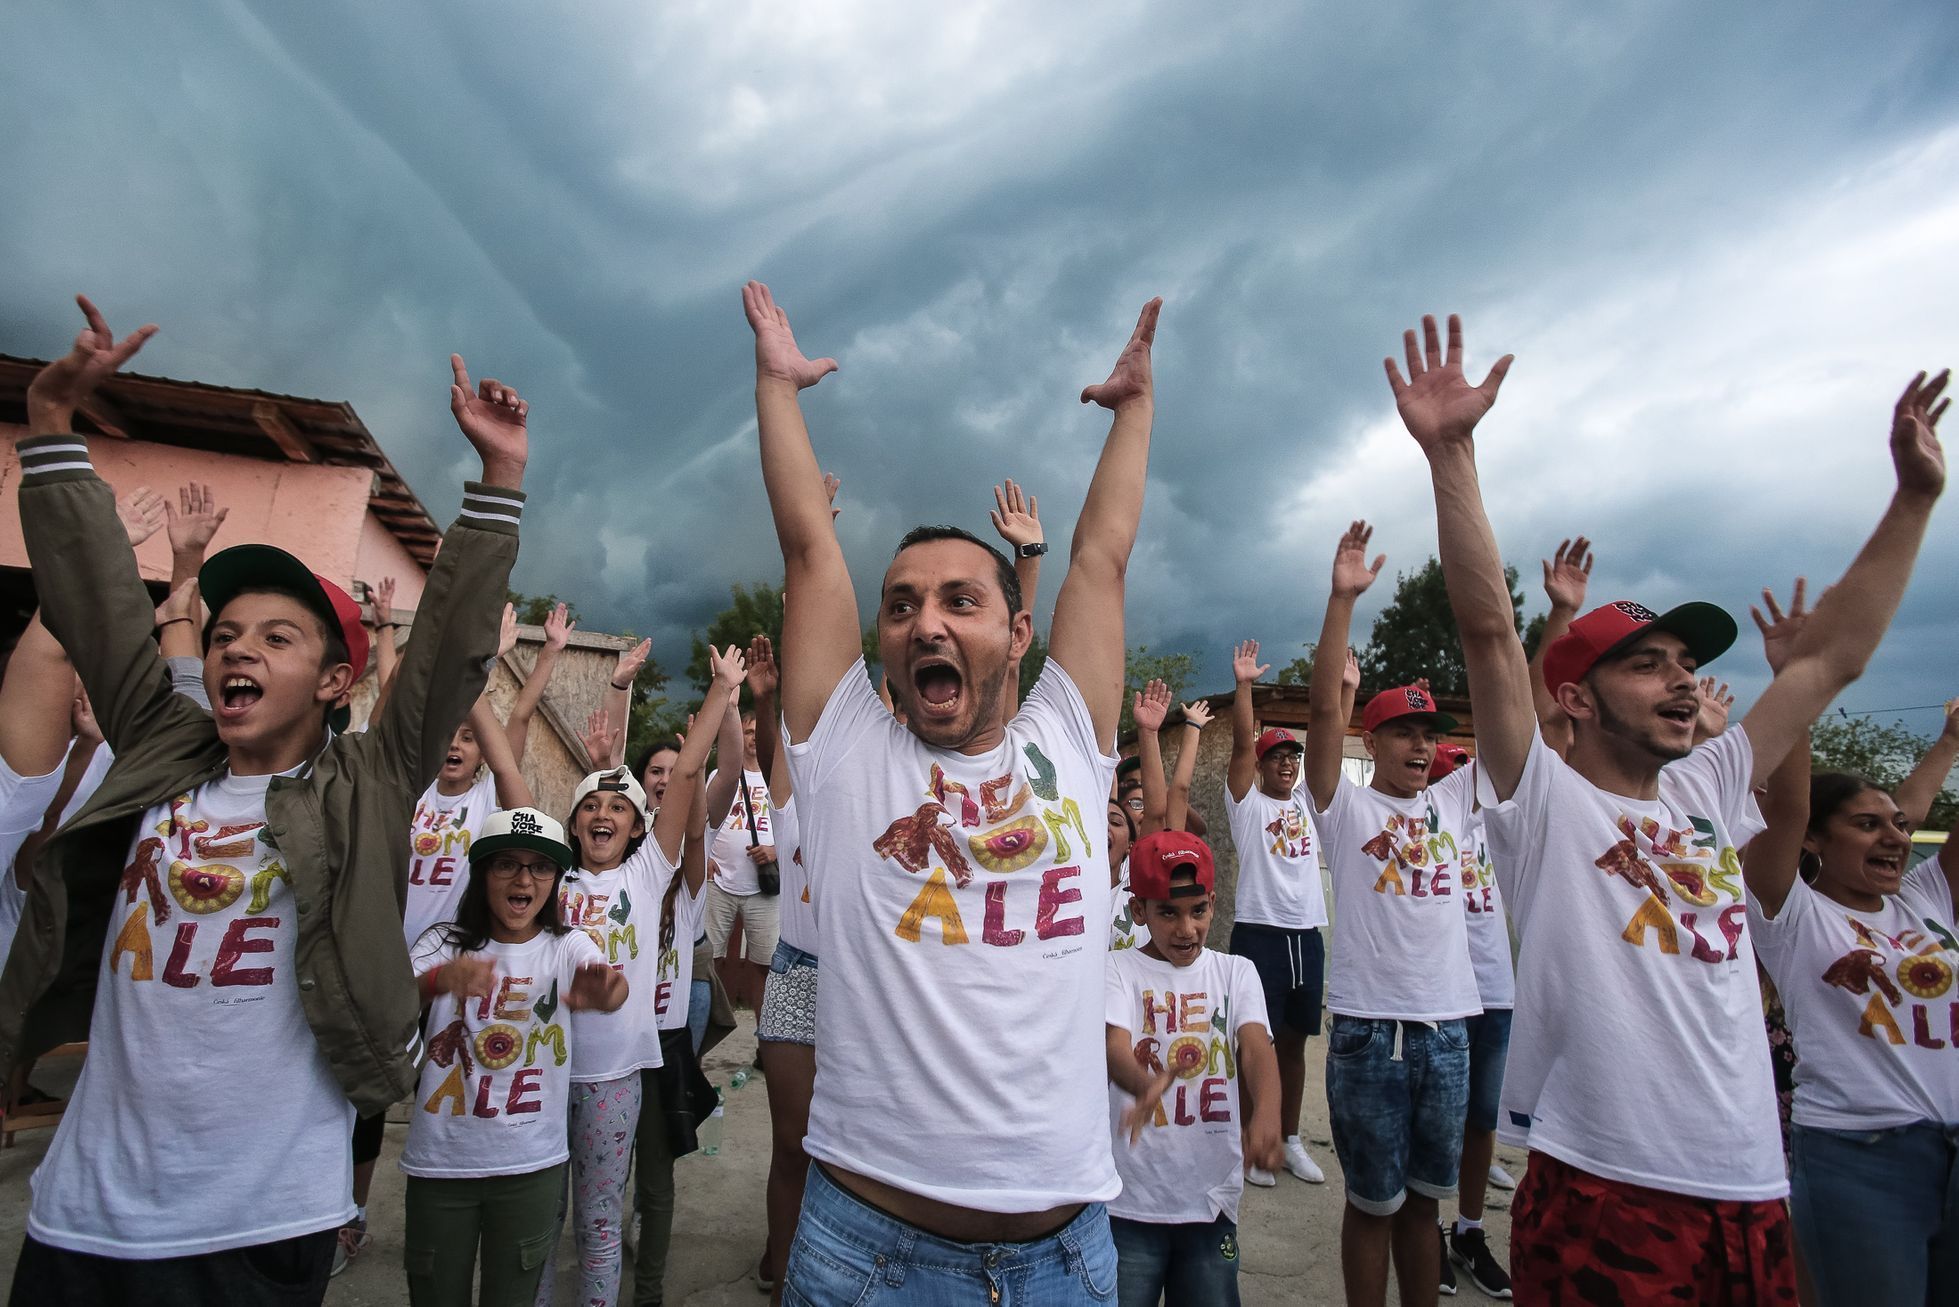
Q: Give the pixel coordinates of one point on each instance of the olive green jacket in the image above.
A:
(341, 825)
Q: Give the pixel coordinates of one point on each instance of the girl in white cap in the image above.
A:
(486, 1147)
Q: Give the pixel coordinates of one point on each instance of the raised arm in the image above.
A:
(821, 637)
(558, 626)
(763, 678)
(1197, 716)
(729, 781)
(618, 700)
(1567, 574)
(1852, 616)
(1918, 791)
(1349, 685)
(1440, 409)
(693, 857)
(1326, 724)
(1716, 702)
(385, 626)
(1151, 707)
(1242, 771)
(1770, 862)
(513, 791)
(1017, 517)
(1086, 635)
(37, 697)
(671, 824)
(193, 521)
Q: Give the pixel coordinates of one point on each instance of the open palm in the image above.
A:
(776, 352)
(1436, 402)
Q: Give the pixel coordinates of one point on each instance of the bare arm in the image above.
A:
(1242, 771)
(513, 791)
(385, 654)
(1440, 409)
(693, 862)
(1326, 723)
(729, 780)
(36, 699)
(1567, 574)
(1770, 862)
(1151, 707)
(1918, 791)
(763, 677)
(1852, 616)
(618, 700)
(1264, 1146)
(1128, 1075)
(1086, 635)
(821, 635)
(1017, 517)
(557, 631)
(1196, 717)
(670, 825)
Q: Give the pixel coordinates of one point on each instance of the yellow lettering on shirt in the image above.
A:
(451, 1088)
(1878, 1017)
(934, 900)
(134, 940)
(1652, 915)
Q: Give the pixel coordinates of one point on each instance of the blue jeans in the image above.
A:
(848, 1252)
(1397, 1093)
(1877, 1211)
(700, 997)
(1194, 1264)
(1489, 1049)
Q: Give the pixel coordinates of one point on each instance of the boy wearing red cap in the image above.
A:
(1400, 984)
(1184, 1023)
(1281, 900)
(1639, 1072)
(222, 920)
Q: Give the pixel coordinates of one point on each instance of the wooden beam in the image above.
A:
(280, 430)
(102, 411)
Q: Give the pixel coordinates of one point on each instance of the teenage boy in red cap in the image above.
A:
(1184, 1023)
(1639, 1071)
(1281, 900)
(1400, 983)
(222, 921)
(962, 1152)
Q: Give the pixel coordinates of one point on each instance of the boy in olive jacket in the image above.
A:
(222, 920)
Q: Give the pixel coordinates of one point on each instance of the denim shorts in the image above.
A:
(789, 998)
(848, 1252)
(1397, 1092)
(1489, 1047)
(1877, 1211)
(1191, 1263)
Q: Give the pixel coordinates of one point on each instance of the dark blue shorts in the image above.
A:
(1489, 1046)
(1396, 1093)
(1291, 965)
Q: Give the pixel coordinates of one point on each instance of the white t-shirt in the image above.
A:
(1189, 1164)
(620, 910)
(1401, 946)
(1637, 1050)
(676, 975)
(1278, 860)
(206, 1116)
(495, 1091)
(964, 901)
(1871, 1002)
(729, 863)
(91, 781)
(1124, 930)
(438, 853)
(798, 913)
(24, 804)
(1489, 927)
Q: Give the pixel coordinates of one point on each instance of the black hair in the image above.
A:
(336, 644)
(1128, 819)
(1133, 762)
(632, 841)
(470, 931)
(1828, 792)
(1003, 568)
(644, 756)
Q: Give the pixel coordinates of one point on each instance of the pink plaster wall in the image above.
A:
(317, 513)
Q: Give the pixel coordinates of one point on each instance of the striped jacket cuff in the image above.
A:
(42, 456)
(484, 504)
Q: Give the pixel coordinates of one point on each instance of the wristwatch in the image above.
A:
(1034, 550)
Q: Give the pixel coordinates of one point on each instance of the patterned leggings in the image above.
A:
(604, 1117)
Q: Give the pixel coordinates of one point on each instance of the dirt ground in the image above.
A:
(1290, 1235)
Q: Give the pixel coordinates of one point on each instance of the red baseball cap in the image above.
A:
(1448, 757)
(230, 572)
(1276, 737)
(1404, 701)
(1155, 859)
(1706, 629)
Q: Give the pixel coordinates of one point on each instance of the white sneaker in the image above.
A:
(1262, 1178)
(1301, 1163)
(1501, 1178)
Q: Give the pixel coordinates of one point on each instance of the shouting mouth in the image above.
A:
(940, 687)
(238, 694)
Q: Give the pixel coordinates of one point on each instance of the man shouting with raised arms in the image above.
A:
(1638, 1072)
(958, 1122)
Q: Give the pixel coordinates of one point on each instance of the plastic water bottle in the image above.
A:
(741, 1078)
(709, 1134)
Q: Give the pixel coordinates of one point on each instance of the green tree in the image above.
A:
(1140, 667)
(533, 609)
(1881, 753)
(1416, 636)
(1031, 664)
(1300, 670)
(756, 610)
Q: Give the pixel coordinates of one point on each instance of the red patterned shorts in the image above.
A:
(1579, 1238)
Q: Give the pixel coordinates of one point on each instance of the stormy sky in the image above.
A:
(1718, 239)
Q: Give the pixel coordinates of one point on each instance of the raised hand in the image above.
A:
(600, 739)
(558, 626)
(763, 676)
(728, 666)
(1350, 674)
(507, 630)
(1129, 381)
(61, 387)
(1567, 573)
(1915, 448)
(831, 484)
(142, 512)
(1198, 714)
(181, 604)
(1951, 730)
(1351, 574)
(1437, 404)
(466, 977)
(384, 601)
(777, 355)
(495, 420)
(1151, 707)
(1245, 665)
(1715, 705)
(627, 669)
(1779, 629)
(194, 520)
(595, 985)
(1016, 516)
